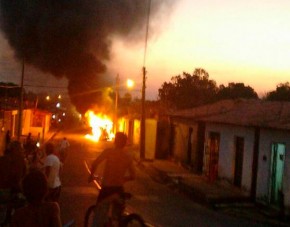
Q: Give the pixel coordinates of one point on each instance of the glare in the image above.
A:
(59, 96)
(47, 98)
(58, 105)
(130, 83)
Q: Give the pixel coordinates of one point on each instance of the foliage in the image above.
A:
(186, 91)
(282, 93)
(235, 91)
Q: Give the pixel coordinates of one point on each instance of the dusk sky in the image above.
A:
(234, 41)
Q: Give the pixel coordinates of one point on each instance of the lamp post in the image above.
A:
(129, 84)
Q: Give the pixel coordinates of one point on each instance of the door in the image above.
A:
(239, 154)
(214, 143)
(189, 146)
(277, 169)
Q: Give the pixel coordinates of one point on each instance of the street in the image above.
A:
(159, 205)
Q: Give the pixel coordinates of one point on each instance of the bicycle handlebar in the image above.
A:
(96, 179)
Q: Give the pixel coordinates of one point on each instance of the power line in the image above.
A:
(28, 85)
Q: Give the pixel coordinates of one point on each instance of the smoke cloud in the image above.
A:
(72, 38)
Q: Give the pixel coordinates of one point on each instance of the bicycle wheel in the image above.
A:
(89, 216)
(132, 220)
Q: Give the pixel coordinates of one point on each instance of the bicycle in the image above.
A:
(116, 214)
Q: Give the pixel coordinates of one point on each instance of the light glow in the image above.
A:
(130, 83)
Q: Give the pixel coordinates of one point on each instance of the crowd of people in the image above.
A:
(32, 173)
(28, 171)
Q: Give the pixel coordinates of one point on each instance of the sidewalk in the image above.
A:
(221, 196)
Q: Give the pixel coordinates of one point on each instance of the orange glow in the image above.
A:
(102, 126)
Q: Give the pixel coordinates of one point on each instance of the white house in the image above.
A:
(246, 142)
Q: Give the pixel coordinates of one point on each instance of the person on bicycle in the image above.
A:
(118, 168)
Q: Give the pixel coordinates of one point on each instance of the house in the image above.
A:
(245, 142)
(34, 121)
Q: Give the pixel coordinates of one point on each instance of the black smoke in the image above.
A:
(72, 38)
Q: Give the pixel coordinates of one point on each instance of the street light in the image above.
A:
(129, 84)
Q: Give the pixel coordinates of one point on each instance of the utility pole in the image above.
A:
(143, 114)
(20, 103)
(143, 117)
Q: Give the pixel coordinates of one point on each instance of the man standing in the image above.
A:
(52, 166)
(63, 149)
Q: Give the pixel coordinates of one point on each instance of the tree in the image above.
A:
(235, 91)
(187, 91)
(282, 93)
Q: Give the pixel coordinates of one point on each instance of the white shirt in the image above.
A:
(54, 163)
(64, 144)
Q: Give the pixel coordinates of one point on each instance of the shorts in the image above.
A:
(108, 191)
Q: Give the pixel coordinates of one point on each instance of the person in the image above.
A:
(36, 162)
(52, 167)
(12, 171)
(118, 169)
(37, 213)
(63, 147)
(29, 146)
(13, 168)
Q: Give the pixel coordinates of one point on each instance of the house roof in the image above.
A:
(244, 112)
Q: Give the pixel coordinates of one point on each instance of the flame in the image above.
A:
(102, 126)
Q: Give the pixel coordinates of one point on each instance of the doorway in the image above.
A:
(277, 170)
(239, 154)
(214, 144)
(189, 146)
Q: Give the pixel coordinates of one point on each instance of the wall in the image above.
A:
(226, 163)
(150, 138)
(180, 142)
(267, 137)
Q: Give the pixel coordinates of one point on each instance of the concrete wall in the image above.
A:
(180, 142)
(180, 149)
(226, 163)
(150, 138)
(267, 137)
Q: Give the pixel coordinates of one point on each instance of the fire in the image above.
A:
(102, 126)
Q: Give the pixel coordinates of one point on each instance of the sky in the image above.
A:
(244, 41)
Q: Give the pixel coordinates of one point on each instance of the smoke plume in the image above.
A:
(72, 38)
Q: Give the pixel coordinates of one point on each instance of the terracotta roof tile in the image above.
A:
(242, 112)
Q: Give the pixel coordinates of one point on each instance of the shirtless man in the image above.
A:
(118, 169)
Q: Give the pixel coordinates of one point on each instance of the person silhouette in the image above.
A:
(38, 213)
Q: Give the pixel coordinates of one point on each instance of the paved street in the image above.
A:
(156, 203)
